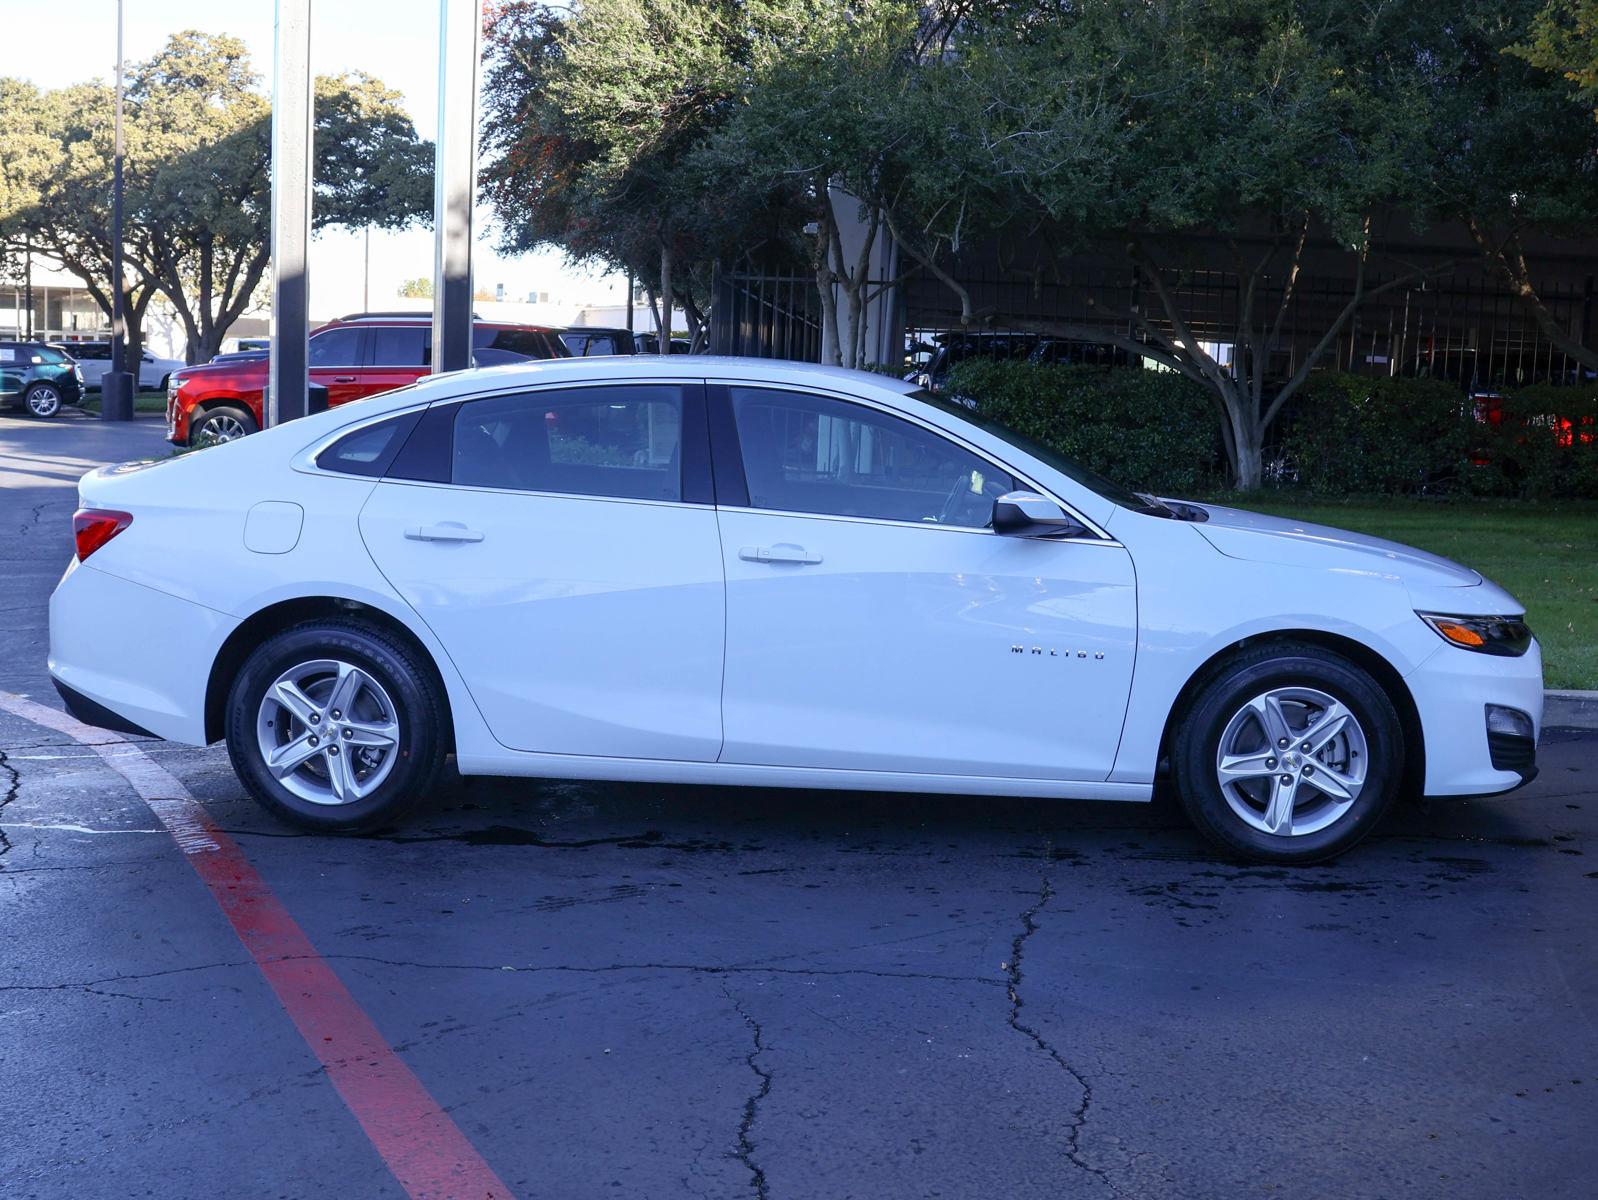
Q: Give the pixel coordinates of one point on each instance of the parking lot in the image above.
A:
(637, 990)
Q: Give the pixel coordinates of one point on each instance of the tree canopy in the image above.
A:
(197, 133)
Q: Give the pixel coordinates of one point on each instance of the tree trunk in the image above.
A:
(666, 298)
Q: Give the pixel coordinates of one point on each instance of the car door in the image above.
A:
(562, 544)
(400, 355)
(875, 622)
(337, 356)
(13, 372)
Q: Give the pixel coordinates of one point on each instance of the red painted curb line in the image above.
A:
(426, 1151)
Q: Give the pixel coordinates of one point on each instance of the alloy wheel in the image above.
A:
(328, 731)
(44, 401)
(215, 430)
(1292, 761)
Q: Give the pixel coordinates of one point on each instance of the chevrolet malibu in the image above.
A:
(762, 573)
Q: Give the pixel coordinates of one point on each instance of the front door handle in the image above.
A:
(343, 379)
(783, 552)
(447, 531)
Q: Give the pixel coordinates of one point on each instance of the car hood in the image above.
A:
(1256, 537)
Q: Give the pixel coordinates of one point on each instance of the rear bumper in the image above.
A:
(133, 658)
(97, 715)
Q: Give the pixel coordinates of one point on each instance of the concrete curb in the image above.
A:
(1570, 710)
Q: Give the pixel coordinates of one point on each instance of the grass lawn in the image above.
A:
(1546, 554)
(144, 402)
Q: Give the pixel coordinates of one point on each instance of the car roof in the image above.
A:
(425, 321)
(663, 366)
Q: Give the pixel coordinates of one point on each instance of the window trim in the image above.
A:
(735, 495)
(696, 486)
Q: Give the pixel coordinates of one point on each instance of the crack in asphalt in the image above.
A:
(1079, 1117)
(12, 788)
(746, 1145)
(691, 968)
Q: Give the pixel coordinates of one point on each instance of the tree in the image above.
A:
(197, 136)
(1091, 127)
(591, 120)
(420, 288)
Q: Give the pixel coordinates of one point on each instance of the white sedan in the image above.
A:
(764, 573)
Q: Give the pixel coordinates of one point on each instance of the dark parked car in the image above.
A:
(587, 341)
(38, 378)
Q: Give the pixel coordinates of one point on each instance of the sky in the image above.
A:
(395, 40)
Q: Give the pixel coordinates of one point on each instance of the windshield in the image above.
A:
(1113, 492)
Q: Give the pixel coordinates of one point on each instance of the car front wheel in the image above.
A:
(44, 400)
(1288, 754)
(335, 726)
(224, 423)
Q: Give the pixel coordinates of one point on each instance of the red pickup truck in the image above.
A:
(356, 356)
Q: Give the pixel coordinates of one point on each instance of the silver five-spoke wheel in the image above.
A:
(1292, 761)
(328, 731)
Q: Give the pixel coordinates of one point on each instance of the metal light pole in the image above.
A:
(292, 113)
(116, 385)
(460, 29)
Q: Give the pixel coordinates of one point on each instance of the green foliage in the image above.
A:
(1543, 446)
(197, 130)
(1358, 435)
(1144, 429)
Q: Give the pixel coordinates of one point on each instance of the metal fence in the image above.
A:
(766, 316)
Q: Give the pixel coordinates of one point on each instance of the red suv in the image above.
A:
(356, 356)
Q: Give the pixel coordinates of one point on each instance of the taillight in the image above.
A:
(94, 527)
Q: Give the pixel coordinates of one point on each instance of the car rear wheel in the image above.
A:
(224, 423)
(44, 400)
(1288, 754)
(335, 726)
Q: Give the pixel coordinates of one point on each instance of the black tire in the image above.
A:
(1196, 747)
(43, 400)
(419, 710)
(221, 423)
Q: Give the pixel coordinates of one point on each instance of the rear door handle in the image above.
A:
(343, 379)
(783, 552)
(447, 531)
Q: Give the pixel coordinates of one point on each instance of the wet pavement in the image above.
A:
(629, 990)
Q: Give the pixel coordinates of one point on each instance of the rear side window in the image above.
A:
(523, 343)
(622, 441)
(368, 451)
(402, 346)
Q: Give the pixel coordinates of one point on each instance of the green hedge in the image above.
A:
(1355, 435)
(1148, 430)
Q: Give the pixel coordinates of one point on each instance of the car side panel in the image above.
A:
(1194, 603)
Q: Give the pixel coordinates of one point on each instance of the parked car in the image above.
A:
(38, 379)
(94, 358)
(648, 343)
(360, 355)
(587, 341)
(536, 568)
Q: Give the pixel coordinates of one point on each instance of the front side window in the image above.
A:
(812, 454)
(618, 441)
(336, 348)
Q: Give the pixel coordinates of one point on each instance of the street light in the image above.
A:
(116, 385)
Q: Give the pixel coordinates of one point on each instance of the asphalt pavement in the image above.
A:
(646, 991)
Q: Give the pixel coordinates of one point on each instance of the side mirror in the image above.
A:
(1029, 515)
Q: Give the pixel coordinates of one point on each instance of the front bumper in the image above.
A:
(1452, 690)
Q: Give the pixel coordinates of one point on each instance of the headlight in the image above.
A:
(1507, 636)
